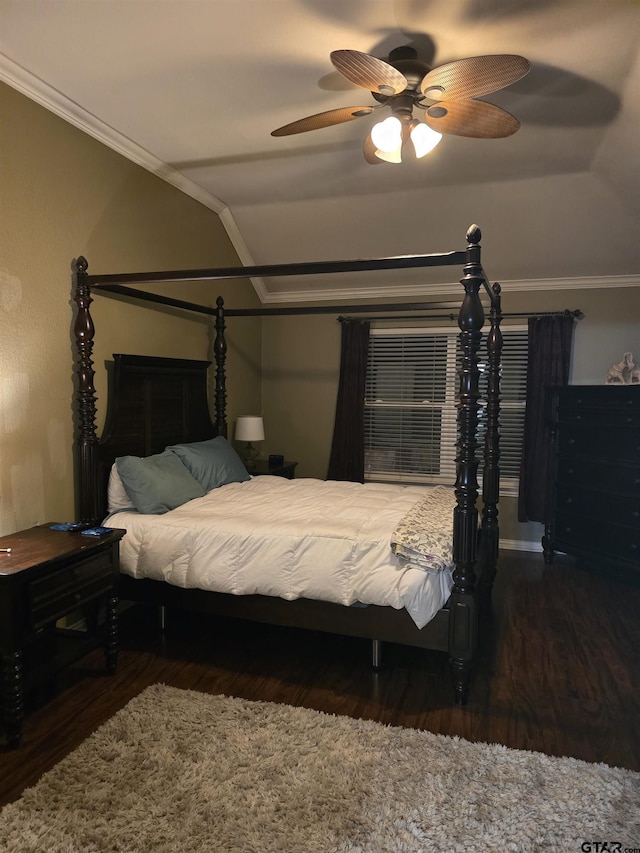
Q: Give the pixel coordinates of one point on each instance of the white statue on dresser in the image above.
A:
(624, 372)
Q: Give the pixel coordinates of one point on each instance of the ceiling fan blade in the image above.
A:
(475, 76)
(367, 71)
(327, 119)
(471, 118)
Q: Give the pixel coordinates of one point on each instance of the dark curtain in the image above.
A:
(549, 358)
(347, 448)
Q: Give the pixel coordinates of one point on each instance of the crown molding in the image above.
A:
(450, 289)
(591, 282)
(54, 101)
(243, 252)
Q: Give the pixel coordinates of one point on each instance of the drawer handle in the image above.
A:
(77, 597)
(567, 530)
(572, 441)
(569, 500)
(635, 513)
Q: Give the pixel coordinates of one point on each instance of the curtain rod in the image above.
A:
(576, 314)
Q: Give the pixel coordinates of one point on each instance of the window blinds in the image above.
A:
(410, 403)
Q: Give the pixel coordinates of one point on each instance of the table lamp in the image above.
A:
(249, 428)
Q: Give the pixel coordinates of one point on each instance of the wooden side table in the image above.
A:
(261, 466)
(46, 575)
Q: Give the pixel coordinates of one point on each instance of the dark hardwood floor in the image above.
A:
(558, 673)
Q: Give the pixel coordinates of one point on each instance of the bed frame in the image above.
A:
(154, 402)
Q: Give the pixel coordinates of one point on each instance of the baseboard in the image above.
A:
(518, 545)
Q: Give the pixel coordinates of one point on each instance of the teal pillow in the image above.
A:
(157, 483)
(213, 463)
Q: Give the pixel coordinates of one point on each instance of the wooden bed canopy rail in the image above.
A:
(474, 555)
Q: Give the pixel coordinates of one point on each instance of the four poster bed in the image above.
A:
(158, 407)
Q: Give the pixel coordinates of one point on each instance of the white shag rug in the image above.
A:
(177, 770)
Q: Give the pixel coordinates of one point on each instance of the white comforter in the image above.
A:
(288, 538)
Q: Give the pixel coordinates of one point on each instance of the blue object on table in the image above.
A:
(97, 531)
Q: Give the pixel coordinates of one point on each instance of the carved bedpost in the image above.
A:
(463, 619)
(491, 472)
(220, 352)
(87, 439)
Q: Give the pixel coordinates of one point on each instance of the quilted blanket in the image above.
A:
(424, 537)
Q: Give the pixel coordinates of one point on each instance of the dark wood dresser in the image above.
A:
(593, 498)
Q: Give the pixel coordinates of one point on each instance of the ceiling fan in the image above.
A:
(446, 94)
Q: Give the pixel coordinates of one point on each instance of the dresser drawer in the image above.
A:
(59, 592)
(603, 537)
(606, 402)
(616, 443)
(600, 475)
(592, 504)
(605, 417)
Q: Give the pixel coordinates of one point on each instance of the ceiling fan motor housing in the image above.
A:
(405, 60)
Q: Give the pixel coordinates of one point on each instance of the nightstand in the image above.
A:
(261, 466)
(47, 575)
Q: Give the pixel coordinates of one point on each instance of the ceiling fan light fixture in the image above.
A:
(390, 156)
(424, 139)
(387, 135)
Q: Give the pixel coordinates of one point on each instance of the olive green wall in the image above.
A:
(301, 358)
(63, 194)
(300, 366)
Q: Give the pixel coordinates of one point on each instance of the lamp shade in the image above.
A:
(424, 139)
(249, 428)
(387, 135)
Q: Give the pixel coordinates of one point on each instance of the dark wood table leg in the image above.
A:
(12, 696)
(112, 645)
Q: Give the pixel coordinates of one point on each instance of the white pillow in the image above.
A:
(117, 498)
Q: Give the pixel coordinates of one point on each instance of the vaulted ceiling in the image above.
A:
(192, 89)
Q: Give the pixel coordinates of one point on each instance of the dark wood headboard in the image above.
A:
(152, 402)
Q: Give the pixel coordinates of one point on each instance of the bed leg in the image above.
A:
(463, 630)
(461, 675)
(376, 653)
(163, 618)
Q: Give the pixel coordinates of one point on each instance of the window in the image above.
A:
(410, 404)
